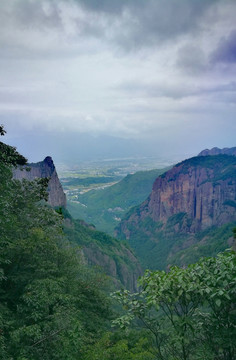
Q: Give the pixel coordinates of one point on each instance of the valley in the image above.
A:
(60, 271)
(101, 192)
(117, 180)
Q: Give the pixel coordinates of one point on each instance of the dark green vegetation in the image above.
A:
(189, 313)
(105, 207)
(112, 256)
(54, 307)
(159, 245)
(208, 161)
(223, 165)
(51, 305)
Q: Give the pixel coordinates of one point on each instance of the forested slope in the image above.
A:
(54, 307)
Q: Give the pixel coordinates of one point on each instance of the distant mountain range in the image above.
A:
(190, 212)
(217, 151)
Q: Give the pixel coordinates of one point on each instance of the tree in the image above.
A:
(183, 308)
(119, 345)
(51, 305)
(2, 131)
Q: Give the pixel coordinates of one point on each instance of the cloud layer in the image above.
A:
(131, 69)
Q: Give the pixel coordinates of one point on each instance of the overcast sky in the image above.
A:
(90, 78)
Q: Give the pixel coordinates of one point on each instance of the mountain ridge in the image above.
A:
(195, 195)
(217, 151)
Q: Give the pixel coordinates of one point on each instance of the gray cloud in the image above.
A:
(192, 59)
(138, 24)
(130, 69)
(176, 91)
(226, 50)
(107, 6)
(130, 24)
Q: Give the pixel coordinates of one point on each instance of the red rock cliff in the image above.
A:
(204, 188)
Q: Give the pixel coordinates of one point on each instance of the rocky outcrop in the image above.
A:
(217, 151)
(190, 212)
(198, 191)
(44, 169)
(203, 188)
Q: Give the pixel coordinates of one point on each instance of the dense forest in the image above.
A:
(54, 306)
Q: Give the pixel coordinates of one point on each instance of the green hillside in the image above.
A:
(53, 305)
(159, 246)
(105, 207)
(112, 256)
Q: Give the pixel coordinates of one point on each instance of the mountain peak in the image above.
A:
(44, 169)
(48, 160)
(193, 197)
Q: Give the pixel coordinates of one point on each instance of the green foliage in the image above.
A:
(209, 161)
(2, 131)
(153, 241)
(128, 345)
(205, 243)
(115, 257)
(190, 313)
(158, 245)
(176, 219)
(230, 203)
(9, 156)
(51, 305)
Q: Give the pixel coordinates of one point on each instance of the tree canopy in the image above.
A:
(51, 305)
(190, 313)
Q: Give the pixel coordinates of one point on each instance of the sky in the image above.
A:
(89, 79)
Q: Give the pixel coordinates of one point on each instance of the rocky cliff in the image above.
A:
(204, 189)
(43, 169)
(195, 195)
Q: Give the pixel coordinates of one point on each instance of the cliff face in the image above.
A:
(195, 195)
(122, 267)
(199, 191)
(43, 169)
(203, 188)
